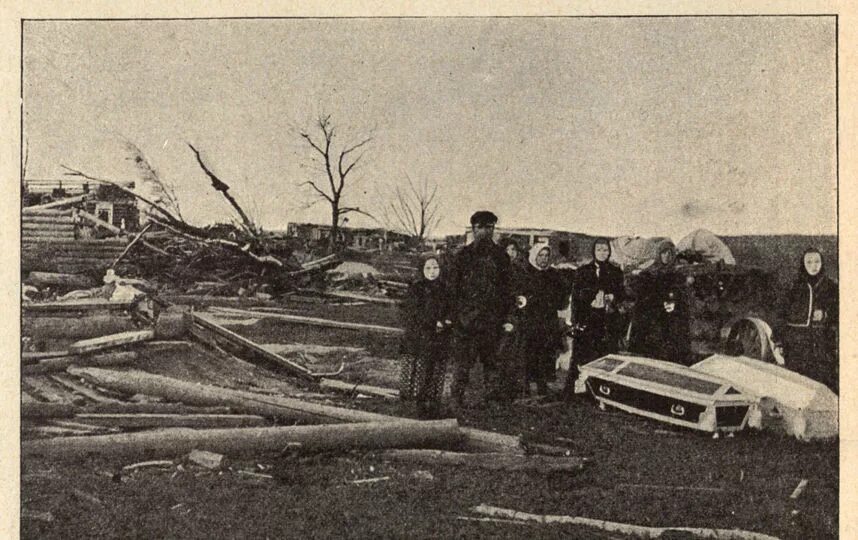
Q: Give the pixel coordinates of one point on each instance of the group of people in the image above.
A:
(492, 305)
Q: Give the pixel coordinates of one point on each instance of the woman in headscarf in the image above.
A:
(809, 314)
(426, 314)
(539, 299)
(661, 326)
(596, 297)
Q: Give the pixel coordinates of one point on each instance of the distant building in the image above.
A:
(106, 202)
(570, 245)
(355, 237)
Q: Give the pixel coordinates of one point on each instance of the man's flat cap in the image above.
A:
(483, 217)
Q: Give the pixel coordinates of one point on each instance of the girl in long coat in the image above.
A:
(810, 313)
(596, 297)
(425, 345)
(539, 326)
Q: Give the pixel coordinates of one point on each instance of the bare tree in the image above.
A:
(337, 165)
(413, 211)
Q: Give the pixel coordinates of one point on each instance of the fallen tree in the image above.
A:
(138, 382)
(171, 442)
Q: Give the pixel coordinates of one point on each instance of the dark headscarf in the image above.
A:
(423, 260)
(600, 241)
(802, 271)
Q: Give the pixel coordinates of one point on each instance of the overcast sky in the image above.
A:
(647, 126)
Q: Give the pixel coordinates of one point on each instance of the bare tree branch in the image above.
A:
(221, 186)
(413, 210)
(319, 191)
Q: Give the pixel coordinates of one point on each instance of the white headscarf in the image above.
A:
(534, 251)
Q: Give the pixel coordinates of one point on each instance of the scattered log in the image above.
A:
(209, 460)
(145, 464)
(54, 204)
(133, 241)
(243, 441)
(124, 407)
(46, 390)
(342, 386)
(364, 297)
(142, 420)
(314, 321)
(799, 489)
(75, 307)
(637, 531)
(138, 382)
(170, 326)
(663, 487)
(81, 389)
(74, 281)
(75, 327)
(495, 461)
(117, 231)
(251, 347)
(54, 365)
(28, 358)
(281, 408)
(111, 341)
(37, 409)
(35, 211)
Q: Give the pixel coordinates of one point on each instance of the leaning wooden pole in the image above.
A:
(172, 442)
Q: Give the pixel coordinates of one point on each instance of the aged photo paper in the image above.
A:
(564, 121)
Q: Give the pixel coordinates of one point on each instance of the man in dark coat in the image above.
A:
(479, 285)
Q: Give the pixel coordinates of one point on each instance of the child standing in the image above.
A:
(426, 312)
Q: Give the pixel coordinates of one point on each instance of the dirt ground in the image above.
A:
(638, 471)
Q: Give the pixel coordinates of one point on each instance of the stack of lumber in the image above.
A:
(47, 224)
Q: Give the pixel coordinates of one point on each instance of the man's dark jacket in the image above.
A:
(479, 288)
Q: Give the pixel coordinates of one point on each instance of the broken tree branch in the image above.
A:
(221, 186)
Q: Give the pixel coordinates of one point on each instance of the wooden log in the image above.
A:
(81, 389)
(75, 328)
(111, 341)
(125, 407)
(47, 391)
(171, 442)
(74, 281)
(33, 211)
(28, 227)
(171, 326)
(314, 321)
(138, 382)
(154, 420)
(77, 306)
(281, 408)
(27, 219)
(342, 386)
(495, 461)
(637, 531)
(252, 348)
(28, 358)
(55, 204)
(47, 410)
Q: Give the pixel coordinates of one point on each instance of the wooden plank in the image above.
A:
(55, 204)
(252, 347)
(28, 226)
(34, 357)
(143, 420)
(495, 461)
(111, 341)
(81, 389)
(119, 243)
(172, 442)
(314, 321)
